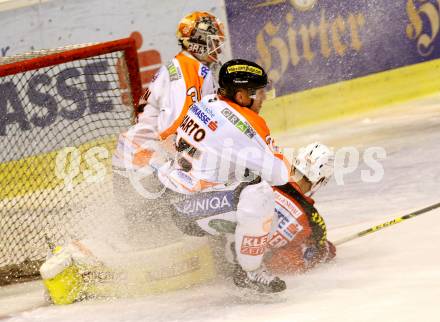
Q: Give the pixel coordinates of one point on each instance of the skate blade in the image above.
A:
(250, 296)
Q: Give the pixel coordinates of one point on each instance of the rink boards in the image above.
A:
(352, 97)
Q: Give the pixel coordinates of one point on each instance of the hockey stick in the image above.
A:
(387, 224)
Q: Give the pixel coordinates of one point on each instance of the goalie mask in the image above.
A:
(202, 35)
(316, 163)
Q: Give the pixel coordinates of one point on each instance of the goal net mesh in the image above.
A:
(58, 129)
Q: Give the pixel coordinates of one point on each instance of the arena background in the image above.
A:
(382, 53)
(326, 59)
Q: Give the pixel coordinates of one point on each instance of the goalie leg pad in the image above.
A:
(66, 287)
(62, 272)
(61, 277)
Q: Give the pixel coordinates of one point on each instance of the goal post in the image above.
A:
(60, 113)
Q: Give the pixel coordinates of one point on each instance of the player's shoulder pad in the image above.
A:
(174, 71)
(238, 121)
(209, 99)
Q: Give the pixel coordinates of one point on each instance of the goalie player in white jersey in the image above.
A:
(176, 86)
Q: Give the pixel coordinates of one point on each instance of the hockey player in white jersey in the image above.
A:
(221, 140)
(177, 85)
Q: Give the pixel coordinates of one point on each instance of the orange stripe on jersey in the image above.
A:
(142, 157)
(190, 70)
(198, 186)
(206, 184)
(255, 120)
(259, 124)
(286, 162)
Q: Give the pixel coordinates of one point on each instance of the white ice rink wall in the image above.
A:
(31, 25)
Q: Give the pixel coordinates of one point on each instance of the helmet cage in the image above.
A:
(215, 43)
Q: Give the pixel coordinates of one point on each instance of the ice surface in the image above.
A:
(391, 275)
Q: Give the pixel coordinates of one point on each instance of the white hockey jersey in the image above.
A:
(218, 142)
(177, 85)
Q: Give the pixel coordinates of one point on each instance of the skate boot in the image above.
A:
(259, 280)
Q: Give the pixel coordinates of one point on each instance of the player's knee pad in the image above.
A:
(254, 219)
(255, 207)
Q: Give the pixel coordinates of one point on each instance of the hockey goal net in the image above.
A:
(60, 113)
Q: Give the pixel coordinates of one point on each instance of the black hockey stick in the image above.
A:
(387, 224)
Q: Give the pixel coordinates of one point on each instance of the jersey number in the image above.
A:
(194, 94)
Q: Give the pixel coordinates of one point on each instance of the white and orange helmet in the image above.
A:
(201, 34)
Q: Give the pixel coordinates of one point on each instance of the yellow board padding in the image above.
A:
(35, 173)
(352, 96)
